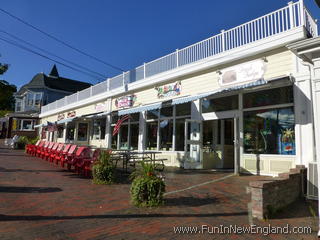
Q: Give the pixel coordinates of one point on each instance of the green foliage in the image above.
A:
(33, 140)
(103, 170)
(22, 142)
(6, 95)
(147, 188)
(3, 68)
(4, 112)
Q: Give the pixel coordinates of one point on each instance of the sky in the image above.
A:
(123, 33)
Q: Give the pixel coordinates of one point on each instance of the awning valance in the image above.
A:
(220, 90)
(140, 109)
(95, 115)
(66, 120)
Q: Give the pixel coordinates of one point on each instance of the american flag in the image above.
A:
(118, 125)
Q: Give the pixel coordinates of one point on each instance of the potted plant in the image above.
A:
(147, 187)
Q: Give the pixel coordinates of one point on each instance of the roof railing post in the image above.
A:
(77, 96)
(222, 41)
(144, 70)
(177, 57)
(291, 18)
(108, 84)
(302, 13)
(90, 91)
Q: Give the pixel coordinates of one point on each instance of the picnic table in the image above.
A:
(133, 157)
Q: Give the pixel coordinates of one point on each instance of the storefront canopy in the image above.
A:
(66, 120)
(182, 100)
(95, 115)
(140, 109)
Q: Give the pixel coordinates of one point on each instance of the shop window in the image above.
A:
(166, 112)
(70, 131)
(134, 117)
(153, 114)
(134, 139)
(166, 134)
(220, 104)
(269, 131)
(99, 129)
(114, 139)
(82, 132)
(151, 136)
(60, 131)
(180, 139)
(183, 109)
(124, 141)
(228, 132)
(268, 97)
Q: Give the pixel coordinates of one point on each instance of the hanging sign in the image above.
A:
(71, 114)
(61, 116)
(169, 90)
(125, 101)
(246, 72)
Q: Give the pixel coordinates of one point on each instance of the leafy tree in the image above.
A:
(6, 92)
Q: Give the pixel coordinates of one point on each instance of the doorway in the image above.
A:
(219, 143)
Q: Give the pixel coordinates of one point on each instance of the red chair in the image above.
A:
(56, 152)
(46, 151)
(30, 147)
(70, 154)
(37, 149)
(62, 154)
(82, 152)
(42, 150)
(51, 151)
(87, 163)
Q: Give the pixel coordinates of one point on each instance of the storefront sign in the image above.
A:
(71, 114)
(169, 90)
(61, 116)
(126, 101)
(246, 72)
(100, 107)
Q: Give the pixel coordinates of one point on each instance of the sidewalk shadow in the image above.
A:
(11, 189)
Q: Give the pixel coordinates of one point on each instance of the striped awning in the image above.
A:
(140, 109)
(221, 90)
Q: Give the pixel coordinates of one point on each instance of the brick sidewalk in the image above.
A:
(42, 201)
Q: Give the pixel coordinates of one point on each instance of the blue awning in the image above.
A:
(101, 114)
(66, 120)
(140, 109)
(221, 90)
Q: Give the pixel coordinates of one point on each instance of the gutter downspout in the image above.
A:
(310, 66)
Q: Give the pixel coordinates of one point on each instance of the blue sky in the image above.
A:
(124, 33)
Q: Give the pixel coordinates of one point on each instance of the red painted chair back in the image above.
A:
(96, 154)
(83, 152)
(46, 144)
(37, 143)
(66, 148)
(60, 147)
(72, 149)
(42, 143)
(51, 145)
(55, 146)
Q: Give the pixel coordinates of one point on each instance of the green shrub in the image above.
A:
(33, 140)
(147, 188)
(21, 143)
(103, 170)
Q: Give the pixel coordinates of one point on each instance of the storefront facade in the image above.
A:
(247, 109)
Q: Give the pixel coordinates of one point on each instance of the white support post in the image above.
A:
(291, 18)
(177, 57)
(123, 80)
(302, 13)
(77, 96)
(108, 84)
(222, 41)
(90, 91)
(144, 70)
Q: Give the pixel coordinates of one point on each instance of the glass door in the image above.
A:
(193, 144)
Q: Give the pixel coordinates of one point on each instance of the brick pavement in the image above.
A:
(41, 201)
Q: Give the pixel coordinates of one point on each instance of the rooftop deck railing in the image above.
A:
(282, 20)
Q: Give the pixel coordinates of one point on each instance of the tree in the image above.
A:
(6, 93)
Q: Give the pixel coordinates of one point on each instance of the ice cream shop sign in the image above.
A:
(125, 101)
(169, 90)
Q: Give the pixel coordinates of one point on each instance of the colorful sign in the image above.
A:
(100, 107)
(169, 90)
(246, 72)
(71, 114)
(60, 116)
(126, 101)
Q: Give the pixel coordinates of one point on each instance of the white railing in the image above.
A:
(282, 20)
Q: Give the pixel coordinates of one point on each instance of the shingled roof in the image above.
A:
(54, 81)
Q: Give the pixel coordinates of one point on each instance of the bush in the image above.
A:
(147, 188)
(103, 170)
(21, 143)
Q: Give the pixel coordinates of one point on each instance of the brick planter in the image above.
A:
(269, 196)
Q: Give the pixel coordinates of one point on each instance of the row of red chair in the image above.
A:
(78, 157)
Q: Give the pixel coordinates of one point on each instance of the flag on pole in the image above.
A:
(119, 123)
